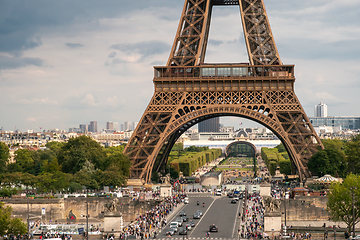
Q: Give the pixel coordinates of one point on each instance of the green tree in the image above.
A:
(4, 156)
(76, 151)
(55, 146)
(113, 176)
(340, 200)
(352, 150)
(281, 148)
(74, 187)
(17, 226)
(121, 161)
(328, 161)
(24, 158)
(5, 217)
(113, 150)
(52, 166)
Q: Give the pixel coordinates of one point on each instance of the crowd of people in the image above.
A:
(147, 225)
(253, 219)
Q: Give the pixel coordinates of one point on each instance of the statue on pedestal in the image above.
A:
(272, 205)
(165, 179)
(112, 206)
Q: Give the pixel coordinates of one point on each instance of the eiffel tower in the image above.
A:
(188, 91)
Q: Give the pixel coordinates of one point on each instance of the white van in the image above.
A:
(186, 200)
(218, 192)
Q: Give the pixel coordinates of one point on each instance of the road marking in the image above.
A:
(202, 217)
(236, 217)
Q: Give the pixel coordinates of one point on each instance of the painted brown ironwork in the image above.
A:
(187, 91)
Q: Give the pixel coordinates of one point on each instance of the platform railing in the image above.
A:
(224, 71)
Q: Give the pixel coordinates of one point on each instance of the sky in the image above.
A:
(65, 63)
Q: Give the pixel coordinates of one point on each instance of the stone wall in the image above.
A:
(62, 210)
(305, 208)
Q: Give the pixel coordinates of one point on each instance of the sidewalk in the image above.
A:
(170, 215)
(317, 224)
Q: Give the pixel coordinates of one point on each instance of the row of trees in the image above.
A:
(274, 157)
(339, 158)
(65, 166)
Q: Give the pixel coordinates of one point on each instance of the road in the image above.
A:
(218, 210)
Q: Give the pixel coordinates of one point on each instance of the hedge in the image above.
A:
(272, 156)
(285, 166)
(191, 161)
(272, 167)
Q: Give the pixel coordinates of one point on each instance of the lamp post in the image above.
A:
(87, 216)
(353, 209)
(27, 220)
(285, 197)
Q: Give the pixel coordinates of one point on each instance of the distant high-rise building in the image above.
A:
(116, 126)
(134, 124)
(320, 110)
(84, 128)
(127, 126)
(350, 122)
(210, 125)
(122, 127)
(110, 126)
(93, 126)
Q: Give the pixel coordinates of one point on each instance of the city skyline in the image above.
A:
(67, 63)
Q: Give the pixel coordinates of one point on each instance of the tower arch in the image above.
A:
(188, 91)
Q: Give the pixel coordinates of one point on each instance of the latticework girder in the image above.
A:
(188, 92)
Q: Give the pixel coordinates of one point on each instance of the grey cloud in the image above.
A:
(215, 42)
(23, 21)
(311, 49)
(13, 62)
(145, 49)
(74, 45)
(112, 55)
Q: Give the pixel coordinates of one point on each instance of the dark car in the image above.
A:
(185, 218)
(182, 213)
(182, 231)
(230, 195)
(196, 216)
(213, 228)
(233, 201)
(199, 212)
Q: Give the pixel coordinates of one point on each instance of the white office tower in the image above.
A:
(127, 126)
(116, 126)
(320, 110)
(134, 124)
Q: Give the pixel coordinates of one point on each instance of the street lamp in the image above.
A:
(353, 209)
(87, 216)
(27, 220)
(286, 197)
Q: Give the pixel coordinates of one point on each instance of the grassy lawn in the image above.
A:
(233, 168)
